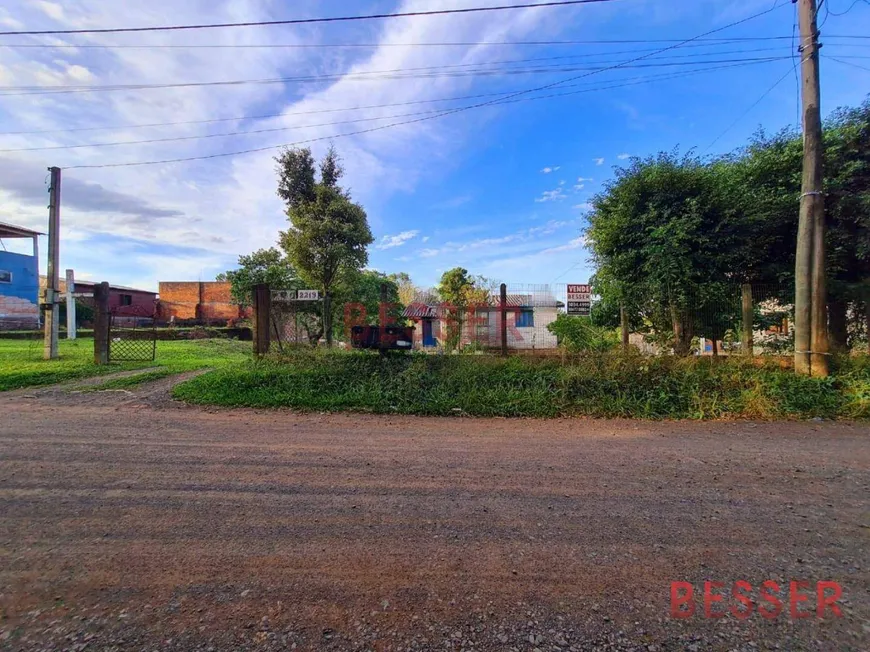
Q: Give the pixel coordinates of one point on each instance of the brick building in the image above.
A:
(208, 302)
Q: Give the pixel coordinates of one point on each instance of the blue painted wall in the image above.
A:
(25, 276)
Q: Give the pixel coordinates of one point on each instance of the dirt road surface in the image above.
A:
(128, 522)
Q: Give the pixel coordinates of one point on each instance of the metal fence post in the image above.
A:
(262, 314)
(502, 311)
(101, 323)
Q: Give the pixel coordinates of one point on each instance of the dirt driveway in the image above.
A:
(131, 523)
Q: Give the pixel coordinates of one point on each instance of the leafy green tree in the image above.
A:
(460, 292)
(269, 266)
(653, 237)
(329, 234)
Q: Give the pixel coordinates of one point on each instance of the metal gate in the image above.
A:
(132, 335)
(296, 317)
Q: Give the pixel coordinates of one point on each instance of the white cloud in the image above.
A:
(585, 206)
(576, 243)
(623, 157)
(548, 170)
(50, 9)
(598, 161)
(390, 241)
(428, 253)
(584, 179)
(551, 195)
(425, 238)
(579, 186)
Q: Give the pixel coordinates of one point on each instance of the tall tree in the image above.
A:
(329, 234)
(460, 292)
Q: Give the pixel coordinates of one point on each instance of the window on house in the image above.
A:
(126, 299)
(525, 319)
(5, 276)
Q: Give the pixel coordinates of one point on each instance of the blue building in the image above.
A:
(19, 281)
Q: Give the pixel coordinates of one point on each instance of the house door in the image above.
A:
(428, 337)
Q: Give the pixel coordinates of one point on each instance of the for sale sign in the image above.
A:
(579, 300)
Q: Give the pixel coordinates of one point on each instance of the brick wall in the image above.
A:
(208, 301)
(18, 314)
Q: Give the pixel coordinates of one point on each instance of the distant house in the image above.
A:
(123, 301)
(19, 281)
(528, 316)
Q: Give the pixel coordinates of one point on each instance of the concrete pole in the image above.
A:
(101, 323)
(502, 311)
(811, 329)
(52, 271)
(70, 305)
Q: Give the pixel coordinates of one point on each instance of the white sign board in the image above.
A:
(283, 295)
(308, 295)
(579, 300)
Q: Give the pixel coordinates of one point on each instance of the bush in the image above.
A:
(597, 385)
(579, 334)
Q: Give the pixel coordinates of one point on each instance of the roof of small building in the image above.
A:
(427, 305)
(12, 231)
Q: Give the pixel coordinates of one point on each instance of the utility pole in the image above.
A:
(53, 269)
(811, 313)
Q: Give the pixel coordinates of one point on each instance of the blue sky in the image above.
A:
(502, 189)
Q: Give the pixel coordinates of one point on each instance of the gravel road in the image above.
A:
(128, 523)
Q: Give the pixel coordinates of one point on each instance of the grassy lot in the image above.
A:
(21, 363)
(605, 386)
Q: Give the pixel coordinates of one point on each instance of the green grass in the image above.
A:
(601, 386)
(21, 363)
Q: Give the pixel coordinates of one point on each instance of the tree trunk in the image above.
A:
(682, 332)
(837, 326)
(748, 316)
(327, 318)
(715, 348)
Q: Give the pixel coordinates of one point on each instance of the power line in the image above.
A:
(332, 46)
(432, 117)
(10, 91)
(749, 110)
(854, 65)
(303, 21)
(851, 7)
(332, 110)
(637, 81)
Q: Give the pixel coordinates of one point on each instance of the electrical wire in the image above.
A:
(292, 113)
(854, 65)
(11, 91)
(851, 7)
(432, 117)
(638, 81)
(304, 21)
(752, 106)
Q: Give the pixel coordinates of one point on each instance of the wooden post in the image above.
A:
(101, 323)
(502, 311)
(748, 317)
(262, 315)
(623, 326)
(382, 319)
(327, 319)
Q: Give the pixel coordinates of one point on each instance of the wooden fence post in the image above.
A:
(262, 316)
(623, 325)
(748, 317)
(502, 311)
(101, 323)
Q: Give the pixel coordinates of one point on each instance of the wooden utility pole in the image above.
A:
(53, 270)
(262, 317)
(811, 319)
